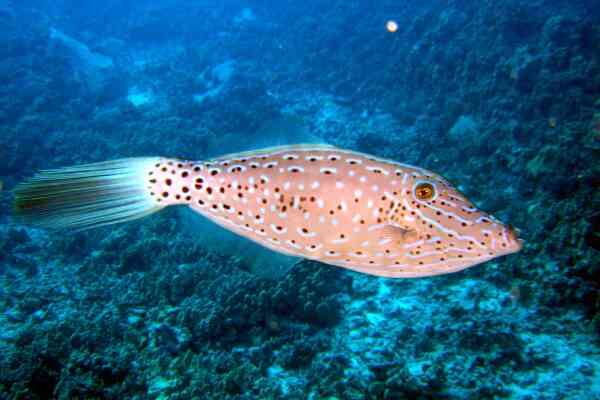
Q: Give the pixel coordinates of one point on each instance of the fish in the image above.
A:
(319, 202)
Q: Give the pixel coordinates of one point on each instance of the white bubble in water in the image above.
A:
(391, 26)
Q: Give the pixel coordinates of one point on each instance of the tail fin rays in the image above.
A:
(88, 195)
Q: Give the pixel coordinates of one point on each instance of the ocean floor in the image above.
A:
(500, 98)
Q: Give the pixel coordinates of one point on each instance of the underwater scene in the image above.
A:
(318, 199)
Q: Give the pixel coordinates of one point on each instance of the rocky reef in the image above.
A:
(502, 98)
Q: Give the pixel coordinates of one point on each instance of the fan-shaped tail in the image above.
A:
(87, 196)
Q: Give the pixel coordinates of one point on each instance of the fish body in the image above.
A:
(318, 202)
(339, 207)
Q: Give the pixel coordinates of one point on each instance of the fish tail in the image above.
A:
(88, 195)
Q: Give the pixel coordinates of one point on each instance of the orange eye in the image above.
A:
(424, 191)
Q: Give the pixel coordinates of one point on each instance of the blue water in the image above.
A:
(500, 97)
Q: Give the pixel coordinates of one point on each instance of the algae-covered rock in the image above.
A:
(97, 71)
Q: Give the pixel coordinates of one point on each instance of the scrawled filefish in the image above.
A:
(319, 202)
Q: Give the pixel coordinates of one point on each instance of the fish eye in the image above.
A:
(424, 191)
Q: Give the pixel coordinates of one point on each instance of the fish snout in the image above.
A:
(513, 242)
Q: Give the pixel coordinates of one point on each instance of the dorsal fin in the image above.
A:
(283, 132)
(276, 149)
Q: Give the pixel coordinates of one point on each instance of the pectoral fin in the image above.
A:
(398, 234)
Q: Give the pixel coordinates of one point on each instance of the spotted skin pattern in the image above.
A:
(339, 207)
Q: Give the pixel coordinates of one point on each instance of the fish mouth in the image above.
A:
(515, 244)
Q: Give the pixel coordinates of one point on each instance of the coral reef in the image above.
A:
(502, 98)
